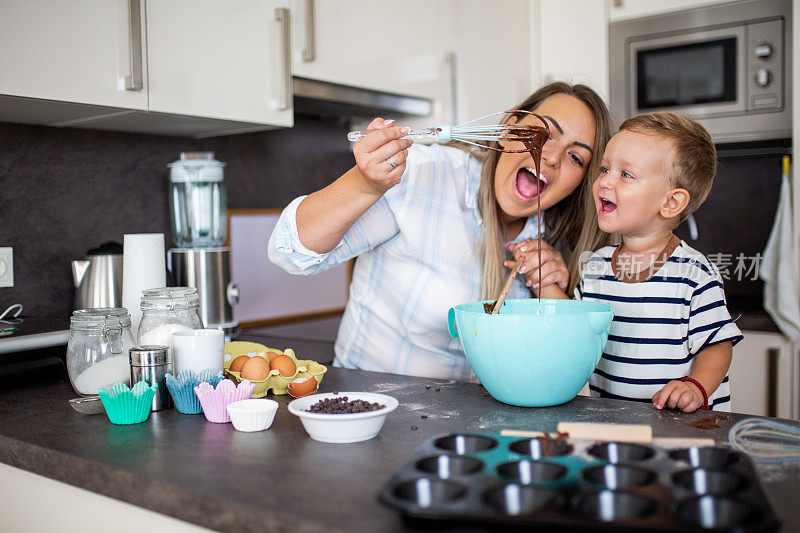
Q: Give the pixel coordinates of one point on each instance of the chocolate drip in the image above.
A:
(534, 139)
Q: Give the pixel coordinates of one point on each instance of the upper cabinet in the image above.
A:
(75, 51)
(160, 66)
(208, 67)
(222, 60)
(469, 57)
(369, 44)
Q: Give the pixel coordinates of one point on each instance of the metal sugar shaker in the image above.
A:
(151, 364)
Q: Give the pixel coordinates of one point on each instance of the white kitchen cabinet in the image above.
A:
(374, 45)
(570, 43)
(761, 375)
(469, 56)
(193, 67)
(69, 50)
(223, 60)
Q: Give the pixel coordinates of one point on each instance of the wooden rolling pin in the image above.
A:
(614, 433)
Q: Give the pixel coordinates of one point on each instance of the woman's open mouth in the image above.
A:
(529, 186)
(607, 206)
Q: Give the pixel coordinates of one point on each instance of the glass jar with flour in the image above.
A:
(97, 350)
(165, 311)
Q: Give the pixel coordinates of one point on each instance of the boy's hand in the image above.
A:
(554, 268)
(682, 395)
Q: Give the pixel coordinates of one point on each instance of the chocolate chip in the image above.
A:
(413, 428)
(341, 405)
(424, 416)
(427, 386)
(437, 389)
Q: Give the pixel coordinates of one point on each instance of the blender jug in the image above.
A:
(197, 201)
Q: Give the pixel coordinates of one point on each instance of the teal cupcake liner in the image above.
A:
(127, 406)
(181, 387)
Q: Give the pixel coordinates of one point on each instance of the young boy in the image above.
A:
(672, 338)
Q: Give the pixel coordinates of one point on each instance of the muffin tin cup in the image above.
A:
(616, 477)
(716, 512)
(621, 452)
(706, 481)
(508, 481)
(521, 500)
(706, 457)
(616, 506)
(538, 448)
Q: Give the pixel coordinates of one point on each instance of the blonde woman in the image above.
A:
(433, 227)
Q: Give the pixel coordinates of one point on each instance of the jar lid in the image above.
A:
(196, 166)
(168, 298)
(149, 355)
(100, 317)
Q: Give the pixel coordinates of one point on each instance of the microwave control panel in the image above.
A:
(765, 65)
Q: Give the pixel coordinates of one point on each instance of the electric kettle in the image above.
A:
(98, 278)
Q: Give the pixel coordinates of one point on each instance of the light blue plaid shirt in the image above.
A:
(417, 251)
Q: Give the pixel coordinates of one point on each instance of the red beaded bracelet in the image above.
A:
(702, 391)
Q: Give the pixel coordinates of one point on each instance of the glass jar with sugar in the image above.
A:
(166, 310)
(97, 350)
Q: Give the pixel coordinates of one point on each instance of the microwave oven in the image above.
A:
(727, 66)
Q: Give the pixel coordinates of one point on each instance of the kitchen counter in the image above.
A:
(280, 479)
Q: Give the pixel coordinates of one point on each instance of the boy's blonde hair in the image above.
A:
(694, 156)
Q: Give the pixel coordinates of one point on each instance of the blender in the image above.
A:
(199, 227)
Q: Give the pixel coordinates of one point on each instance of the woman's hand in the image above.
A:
(554, 269)
(381, 156)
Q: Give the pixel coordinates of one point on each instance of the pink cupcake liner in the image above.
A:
(215, 400)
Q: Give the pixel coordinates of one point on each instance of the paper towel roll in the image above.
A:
(143, 267)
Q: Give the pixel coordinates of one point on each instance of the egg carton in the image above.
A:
(274, 381)
(579, 485)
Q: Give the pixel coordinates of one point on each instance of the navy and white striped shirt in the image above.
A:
(660, 322)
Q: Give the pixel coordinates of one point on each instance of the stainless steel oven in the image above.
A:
(727, 66)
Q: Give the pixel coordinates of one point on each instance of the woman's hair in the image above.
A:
(693, 158)
(571, 224)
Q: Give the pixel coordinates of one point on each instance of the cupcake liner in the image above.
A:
(127, 406)
(215, 400)
(182, 388)
(252, 415)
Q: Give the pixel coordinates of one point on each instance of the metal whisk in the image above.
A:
(472, 131)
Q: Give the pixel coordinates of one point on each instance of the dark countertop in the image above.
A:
(280, 479)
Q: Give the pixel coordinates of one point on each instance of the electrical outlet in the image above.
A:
(6, 267)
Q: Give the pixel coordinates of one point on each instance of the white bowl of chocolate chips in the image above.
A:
(343, 417)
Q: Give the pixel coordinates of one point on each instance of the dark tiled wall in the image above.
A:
(63, 191)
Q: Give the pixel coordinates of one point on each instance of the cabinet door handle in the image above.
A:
(310, 53)
(282, 16)
(450, 62)
(134, 81)
(773, 360)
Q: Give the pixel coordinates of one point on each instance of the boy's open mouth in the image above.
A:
(529, 186)
(607, 206)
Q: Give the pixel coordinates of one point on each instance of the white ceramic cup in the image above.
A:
(198, 349)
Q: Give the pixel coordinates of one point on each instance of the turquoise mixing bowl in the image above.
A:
(530, 355)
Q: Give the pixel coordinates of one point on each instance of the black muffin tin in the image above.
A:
(496, 479)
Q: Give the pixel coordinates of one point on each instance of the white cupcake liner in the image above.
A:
(215, 400)
(252, 414)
